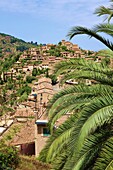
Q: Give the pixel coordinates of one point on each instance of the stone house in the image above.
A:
(99, 59)
(23, 114)
(49, 46)
(34, 134)
(25, 69)
(34, 51)
(45, 64)
(25, 139)
(44, 94)
(51, 60)
(65, 54)
(75, 47)
(43, 48)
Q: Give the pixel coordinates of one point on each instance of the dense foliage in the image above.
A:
(9, 158)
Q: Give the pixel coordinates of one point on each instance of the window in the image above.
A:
(46, 132)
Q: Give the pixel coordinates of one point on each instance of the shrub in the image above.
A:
(24, 89)
(21, 48)
(29, 79)
(10, 86)
(34, 72)
(8, 158)
(23, 97)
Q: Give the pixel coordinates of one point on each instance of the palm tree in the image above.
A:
(89, 129)
(85, 140)
(105, 11)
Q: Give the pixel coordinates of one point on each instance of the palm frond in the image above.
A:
(96, 115)
(108, 12)
(81, 64)
(78, 104)
(85, 140)
(105, 159)
(83, 75)
(72, 95)
(91, 148)
(105, 28)
(91, 33)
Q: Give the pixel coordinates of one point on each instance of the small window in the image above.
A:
(46, 132)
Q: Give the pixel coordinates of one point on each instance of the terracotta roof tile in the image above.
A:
(44, 79)
(44, 86)
(46, 91)
(26, 134)
(28, 103)
(24, 112)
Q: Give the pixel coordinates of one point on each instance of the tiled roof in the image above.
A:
(24, 112)
(26, 134)
(44, 86)
(44, 79)
(52, 57)
(46, 91)
(28, 103)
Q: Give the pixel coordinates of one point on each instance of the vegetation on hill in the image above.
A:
(14, 83)
(9, 158)
(11, 49)
(56, 50)
(30, 163)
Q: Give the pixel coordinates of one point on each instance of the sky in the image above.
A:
(49, 21)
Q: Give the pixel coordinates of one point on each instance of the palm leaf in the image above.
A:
(80, 75)
(92, 147)
(96, 115)
(105, 28)
(105, 159)
(81, 64)
(91, 33)
(108, 12)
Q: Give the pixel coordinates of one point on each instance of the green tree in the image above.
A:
(8, 158)
(53, 79)
(29, 79)
(23, 97)
(34, 72)
(60, 43)
(64, 48)
(85, 140)
(24, 89)
(22, 48)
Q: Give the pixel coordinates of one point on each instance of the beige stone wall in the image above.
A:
(40, 140)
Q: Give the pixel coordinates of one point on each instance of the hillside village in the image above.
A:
(26, 87)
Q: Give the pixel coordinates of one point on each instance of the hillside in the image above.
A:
(10, 50)
(28, 163)
(22, 65)
(9, 46)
